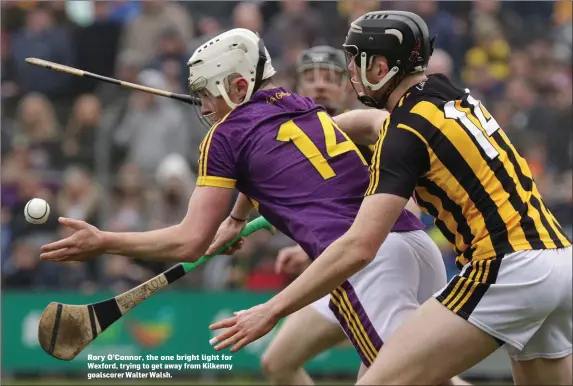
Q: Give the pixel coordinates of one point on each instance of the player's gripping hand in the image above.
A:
(292, 260)
(85, 243)
(245, 327)
(228, 230)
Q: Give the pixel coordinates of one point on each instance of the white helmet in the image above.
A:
(238, 51)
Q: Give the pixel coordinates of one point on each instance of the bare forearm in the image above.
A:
(167, 244)
(242, 208)
(362, 126)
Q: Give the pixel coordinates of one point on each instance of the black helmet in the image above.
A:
(401, 37)
(321, 56)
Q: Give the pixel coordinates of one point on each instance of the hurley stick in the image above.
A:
(74, 71)
(65, 329)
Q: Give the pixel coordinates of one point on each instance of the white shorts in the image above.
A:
(322, 307)
(407, 270)
(522, 299)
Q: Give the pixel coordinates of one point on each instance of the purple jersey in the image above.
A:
(300, 171)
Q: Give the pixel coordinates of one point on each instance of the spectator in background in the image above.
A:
(221, 10)
(124, 11)
(5, 237)
(153, 126)
(440, 63)
(9, 87)
(296, 25)
(479, 77)
(171, 59)
(72, 276)
(79, 196)
(487, 62)
(562, 18)
(23, 268)
(562, 207)
(352, 10)
(248, 15)
(24, 271)
(130, 208)
(142, 33)
(520, 66)
(60, 11)
(28, 186)
(14, 14)
(129, 65)
(208, 28)
(97, 46)
(523, 19)
(129, 201)
(38, 130)
(176, 183)
(7, 132)
(529, 115)
(80, 136)
(14, 167)
(558, 129)
(120, 275)
(443, 26)
(43, 39)
(115, 102)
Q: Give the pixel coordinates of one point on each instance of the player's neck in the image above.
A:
(403, 86)
(267, 86)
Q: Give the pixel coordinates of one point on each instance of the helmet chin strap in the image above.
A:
(369, 100)
(230, 103)
(390, 78)
(255, 82)
(370, 86)
(383, 101)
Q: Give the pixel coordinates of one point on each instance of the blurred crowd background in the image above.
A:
(126, 161)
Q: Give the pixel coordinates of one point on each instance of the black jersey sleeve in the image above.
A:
(400, 158)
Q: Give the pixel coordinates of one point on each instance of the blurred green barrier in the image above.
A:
(168, 323)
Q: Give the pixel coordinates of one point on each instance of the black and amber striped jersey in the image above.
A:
(367, 151)
(443, 145)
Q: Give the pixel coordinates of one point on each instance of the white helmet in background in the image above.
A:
(238, 51)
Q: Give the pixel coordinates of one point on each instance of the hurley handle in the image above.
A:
(255, 225)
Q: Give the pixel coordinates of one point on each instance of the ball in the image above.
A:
(37, 211)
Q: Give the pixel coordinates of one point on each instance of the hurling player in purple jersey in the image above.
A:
(292, 163)
(321, 75)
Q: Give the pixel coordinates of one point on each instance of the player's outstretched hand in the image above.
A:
(85, 242)
(292, 260)
(245, 327)
(228, 230)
